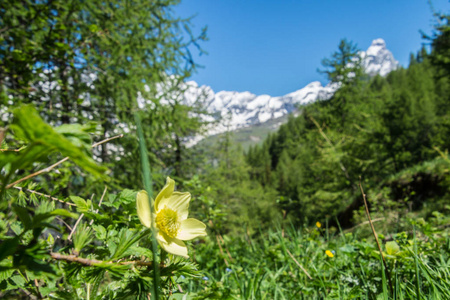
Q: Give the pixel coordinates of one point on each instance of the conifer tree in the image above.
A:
(93, 61)
(345, 70)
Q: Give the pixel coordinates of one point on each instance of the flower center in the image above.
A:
(167, 221)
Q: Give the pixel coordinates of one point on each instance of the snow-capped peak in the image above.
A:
(378, 59)
(242, 109)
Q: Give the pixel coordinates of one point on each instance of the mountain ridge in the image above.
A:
(242, 109)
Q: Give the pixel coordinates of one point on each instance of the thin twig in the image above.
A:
(75, 227)
(27, 292)
(107, 140)
(298, 264)
(226, 248)
(62, 221)
(48, 169)
(92, 262)
(44, 195)
(11, 150)
(221, 250)
(36, 283)
(99, 204)
(2, 135)
(362, 224)
(77, 222)
(218, 238)
(375, 235)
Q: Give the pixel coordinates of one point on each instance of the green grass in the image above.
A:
(261, 268)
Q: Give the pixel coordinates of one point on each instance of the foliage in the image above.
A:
(376, 129)
(344, 66)
(104, 252)
(228, 198)
(97, 61)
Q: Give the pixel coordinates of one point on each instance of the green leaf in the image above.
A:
(392, 248)
(82, 205)
(5, 273)
(37, 220)
(18, 280)
(8, 247)
(100, 231)
(63, 213)
(24, 216)
(37, 151)
(28, 125)
(127, 196)
(180, 297)
(83, 236)
(126, 240)
(77, 134)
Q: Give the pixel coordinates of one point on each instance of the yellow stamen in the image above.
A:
(167, 221)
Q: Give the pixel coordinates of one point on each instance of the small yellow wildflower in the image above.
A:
(329, 253)
(318, 224)
(170, 218)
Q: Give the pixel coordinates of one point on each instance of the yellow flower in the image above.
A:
(170, 218)
(329, 253)
(318, 224)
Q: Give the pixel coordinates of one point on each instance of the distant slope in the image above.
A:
(246, 136)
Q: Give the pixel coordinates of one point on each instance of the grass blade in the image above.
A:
(147, 179)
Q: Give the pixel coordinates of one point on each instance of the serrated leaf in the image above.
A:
(5, 274)
(127, 196)
(50, 240)
(82, 205)
(17, 227)
(18, 280)
(100, 231)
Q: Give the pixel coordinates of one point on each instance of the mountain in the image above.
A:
(242, 109)
(378, 59)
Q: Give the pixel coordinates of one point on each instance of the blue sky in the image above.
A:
(275, 47)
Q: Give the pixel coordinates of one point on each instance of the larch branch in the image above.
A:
(48, 169)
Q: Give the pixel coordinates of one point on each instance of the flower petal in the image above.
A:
(178, 202)
(166, 192)
(172, 245)
(143, 208)
(190, 229)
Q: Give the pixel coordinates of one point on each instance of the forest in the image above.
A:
(349, 199)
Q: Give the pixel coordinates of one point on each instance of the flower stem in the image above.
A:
(147, 180)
